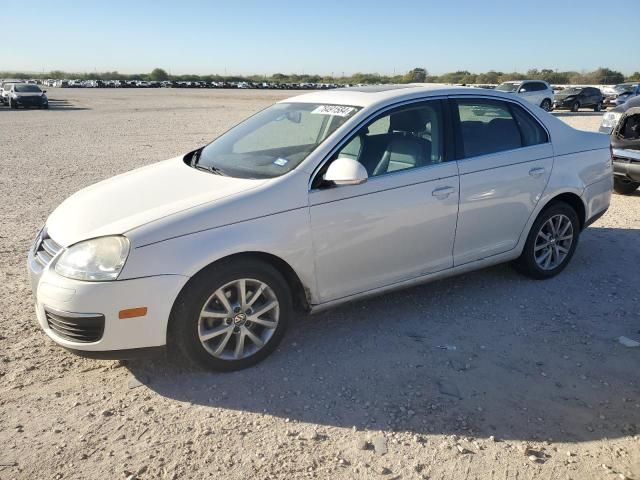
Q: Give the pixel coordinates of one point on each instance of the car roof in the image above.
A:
(385, 94)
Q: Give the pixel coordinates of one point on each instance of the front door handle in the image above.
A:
(442, 192)
(536, 172)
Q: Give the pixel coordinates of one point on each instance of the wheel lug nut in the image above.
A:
(236, 310)
(236, 329)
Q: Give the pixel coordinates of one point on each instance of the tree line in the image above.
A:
(600, 76)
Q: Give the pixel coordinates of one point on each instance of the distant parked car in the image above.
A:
(27, 95)
(534, 91)
(623, 124)
(575, 98)
(621, 93)
(5, 87)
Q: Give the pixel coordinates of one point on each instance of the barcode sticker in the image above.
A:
(337, 110)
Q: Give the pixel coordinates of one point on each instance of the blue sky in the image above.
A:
(317, 36)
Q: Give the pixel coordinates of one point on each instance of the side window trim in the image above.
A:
(447, 150)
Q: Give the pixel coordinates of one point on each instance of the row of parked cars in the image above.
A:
(185, 84)
(571, 98)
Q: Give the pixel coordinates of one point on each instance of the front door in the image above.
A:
(398, 225)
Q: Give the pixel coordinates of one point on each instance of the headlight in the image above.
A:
(96, 260)
(610, 119)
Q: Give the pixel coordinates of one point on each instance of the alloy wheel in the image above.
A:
(553, 242)
(238, 319)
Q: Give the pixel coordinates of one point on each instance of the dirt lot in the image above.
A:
(536, 387)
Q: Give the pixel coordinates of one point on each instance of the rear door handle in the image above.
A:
(442, 192)
(536, 172)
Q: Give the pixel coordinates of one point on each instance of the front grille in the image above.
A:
(82, 328)
(30, 100)
(45, 249)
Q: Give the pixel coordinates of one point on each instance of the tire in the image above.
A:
(575, 106)
(186, 325)
(546, 105)
(12, 104)
(598, 107)
(532, 260)
(623, 186)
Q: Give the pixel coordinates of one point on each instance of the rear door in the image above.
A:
(505, 159)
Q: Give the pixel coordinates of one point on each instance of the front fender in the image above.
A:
(285, 235)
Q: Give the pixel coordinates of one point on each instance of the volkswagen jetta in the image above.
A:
(317, 200)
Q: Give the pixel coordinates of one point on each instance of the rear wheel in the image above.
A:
(575, 106)
(551, 242)
(546, 105)
(231, 316)
(12, 104)
(598, 107)
(624, 186)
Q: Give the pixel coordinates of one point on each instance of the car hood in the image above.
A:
(139, 197)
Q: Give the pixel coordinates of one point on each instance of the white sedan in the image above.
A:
(317, 200)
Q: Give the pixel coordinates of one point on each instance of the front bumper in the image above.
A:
(66, 298)
(30, 101)
(626, 163)
(560, 104)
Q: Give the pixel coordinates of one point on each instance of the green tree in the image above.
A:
(417, 75)
(158, 75)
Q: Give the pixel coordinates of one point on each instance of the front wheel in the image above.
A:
(624, 186)
(598, 107)
(232, 315)
(12, 104)
(551, 242)
(575, 106)
(546, 105)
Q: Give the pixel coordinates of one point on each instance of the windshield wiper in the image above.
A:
(206, 168)
(210, 169)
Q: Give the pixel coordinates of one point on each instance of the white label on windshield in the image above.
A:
(281, 162)
(337, 110)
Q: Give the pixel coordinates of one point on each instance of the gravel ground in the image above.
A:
(485, 376)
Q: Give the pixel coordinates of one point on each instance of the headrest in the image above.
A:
(407, 121)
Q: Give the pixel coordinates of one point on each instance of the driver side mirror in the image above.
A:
(346, 171)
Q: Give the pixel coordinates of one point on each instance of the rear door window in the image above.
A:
(487, 126)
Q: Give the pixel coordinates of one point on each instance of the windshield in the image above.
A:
(624, 88)
(570, 91)
(274, 141)
(27, 88)
(508, 87)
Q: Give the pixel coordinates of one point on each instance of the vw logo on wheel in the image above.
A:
(239, 319)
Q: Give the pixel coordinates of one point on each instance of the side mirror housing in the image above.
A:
(346, 171)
